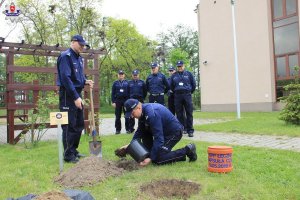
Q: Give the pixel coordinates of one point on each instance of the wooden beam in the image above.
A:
(41, 53)
(24, 86)
(47, 47)
(31, 69)
(41, 69)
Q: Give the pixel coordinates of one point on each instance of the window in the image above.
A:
(284, 8)
(291, 7)
(280, 62)
(293, 61)
(277, 9)
(286, 41)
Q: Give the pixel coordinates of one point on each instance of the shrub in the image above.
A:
(291, 111)
(36, 126)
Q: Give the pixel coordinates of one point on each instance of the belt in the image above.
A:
(159, 94)
(121, 98)
(182, 92)
(136, 97)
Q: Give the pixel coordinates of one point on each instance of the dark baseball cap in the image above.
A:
(121, 71)
(129, 105)
(179, 63)
(80, 40)
(153, 65)
(171, 68)
(135, 72)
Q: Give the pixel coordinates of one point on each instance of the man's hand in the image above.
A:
(121, 152)
(145, 162)
(78, 103)
(90, 83)
(113, 105)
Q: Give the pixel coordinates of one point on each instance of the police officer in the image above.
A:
(119, 95)
(137, 90)
(171, 104)
(157, 85)
(183, 84)
(159, 131)
(71, 81)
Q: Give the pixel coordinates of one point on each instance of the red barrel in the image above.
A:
(219, 159)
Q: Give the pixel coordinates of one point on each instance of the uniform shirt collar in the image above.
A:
(74, 53)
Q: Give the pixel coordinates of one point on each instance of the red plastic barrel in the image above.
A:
(219, 159)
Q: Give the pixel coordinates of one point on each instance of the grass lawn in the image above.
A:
(258, 173)
(264, 123)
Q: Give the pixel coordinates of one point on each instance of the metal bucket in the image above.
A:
(137, 151)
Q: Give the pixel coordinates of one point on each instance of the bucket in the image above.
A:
(137, 151)
(219, 159)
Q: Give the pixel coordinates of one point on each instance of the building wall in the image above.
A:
(255, 55)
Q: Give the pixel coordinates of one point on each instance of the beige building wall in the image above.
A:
(255, 55)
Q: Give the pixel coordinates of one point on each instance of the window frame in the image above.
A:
(284, 12)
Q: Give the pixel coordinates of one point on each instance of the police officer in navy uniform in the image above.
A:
(71, 81)
(137, 90)
(119, 95)
(171, 104)
(157, 85)
(183, 84)
(159, 131)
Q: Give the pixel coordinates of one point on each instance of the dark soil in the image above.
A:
(53, 195)
(88, 171)
(128, 165)
(92, 170)
(170, 188)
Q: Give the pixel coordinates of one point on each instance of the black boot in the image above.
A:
(191, 152)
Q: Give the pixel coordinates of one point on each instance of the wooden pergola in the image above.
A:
(14, 94)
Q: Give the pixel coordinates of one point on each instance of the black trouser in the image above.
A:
(72, 131)
(118, 112)
(171, 104)
(132, 120)
(166, 155)
(183, 102)
(157, 99)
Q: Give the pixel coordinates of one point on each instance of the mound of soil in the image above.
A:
(53, 195)
(88, 171)
(170, 188)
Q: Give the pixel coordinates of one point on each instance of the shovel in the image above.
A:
(95, 146)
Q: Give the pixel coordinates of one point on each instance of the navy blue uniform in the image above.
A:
(171, 103)
(183, 85)
(137, 90)
(160, 131)
(119, 95)
(157, 85)
(71, 80)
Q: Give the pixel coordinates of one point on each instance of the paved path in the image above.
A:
(274, 142)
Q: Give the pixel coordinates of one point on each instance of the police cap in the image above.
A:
(129, 105)
(179, 63)
(135, 72)
(171, 68)
(153, 65)
(79, 39)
